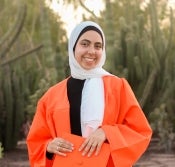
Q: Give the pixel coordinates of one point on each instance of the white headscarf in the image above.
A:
(92, 104)
(76, 70)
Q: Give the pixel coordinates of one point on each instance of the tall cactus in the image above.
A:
(142, 51)
(7, 85)
(162, 53)
(14, 59)
(12, 102)
(8, 97)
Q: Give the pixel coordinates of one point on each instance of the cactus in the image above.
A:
(26, 53)
(11, 101)
(1, 150)
(11, 36)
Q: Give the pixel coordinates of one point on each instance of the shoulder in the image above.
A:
(113, 83)
(59, 85)
(113, 80)
(55, 90)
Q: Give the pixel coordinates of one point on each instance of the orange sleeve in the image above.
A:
(47, 124)
(130, 135)
(38, 138)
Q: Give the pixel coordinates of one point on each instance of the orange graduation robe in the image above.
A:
(126, 127)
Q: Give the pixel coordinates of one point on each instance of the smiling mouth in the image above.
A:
(89, 59)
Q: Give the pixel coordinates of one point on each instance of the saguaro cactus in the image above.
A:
(11, 100)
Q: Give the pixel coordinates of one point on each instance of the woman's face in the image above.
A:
(88, 50)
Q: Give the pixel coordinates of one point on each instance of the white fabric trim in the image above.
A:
(92, 106)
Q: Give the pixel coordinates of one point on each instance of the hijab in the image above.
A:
(76, 70)
(92, 102)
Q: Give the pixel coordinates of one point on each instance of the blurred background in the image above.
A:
(140, 37)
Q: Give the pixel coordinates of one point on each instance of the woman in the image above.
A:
(91, 103)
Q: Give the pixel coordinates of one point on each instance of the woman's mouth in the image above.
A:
(88, 59)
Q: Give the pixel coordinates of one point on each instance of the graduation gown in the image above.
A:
(125, 125)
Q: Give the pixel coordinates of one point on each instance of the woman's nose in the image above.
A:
(91, 50)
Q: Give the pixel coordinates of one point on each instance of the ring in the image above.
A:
(59, 144)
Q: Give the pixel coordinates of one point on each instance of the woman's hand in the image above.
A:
(93, 143)
(59, 146)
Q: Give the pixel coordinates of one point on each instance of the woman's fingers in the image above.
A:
(84, 145)
(98, 148)
(59, 146)
(93, 143)
(92, 149)
(87, 147)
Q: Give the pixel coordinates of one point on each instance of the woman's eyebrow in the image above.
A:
(86, 40)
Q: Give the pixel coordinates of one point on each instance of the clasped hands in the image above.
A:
(92, 144)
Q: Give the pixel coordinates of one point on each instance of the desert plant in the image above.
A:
(163, 128)
(1, 150)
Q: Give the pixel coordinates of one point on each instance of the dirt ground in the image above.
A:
(151, 158)
(16, 158)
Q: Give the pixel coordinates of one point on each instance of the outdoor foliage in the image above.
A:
(1, 150)
(29, 42)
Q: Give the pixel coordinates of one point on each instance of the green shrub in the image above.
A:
(163, 127)
(1, 150)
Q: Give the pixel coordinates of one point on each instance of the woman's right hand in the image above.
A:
(59, 146)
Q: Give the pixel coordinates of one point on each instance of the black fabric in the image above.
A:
(49, 155)
(74, 92)
(88, 28)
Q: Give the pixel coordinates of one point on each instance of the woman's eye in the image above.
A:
(84, 43)
(98, 46)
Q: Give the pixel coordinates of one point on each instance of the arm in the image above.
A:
(43, 140)
(38, 138)
(130, 135)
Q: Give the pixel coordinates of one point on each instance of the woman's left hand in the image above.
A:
(93, 143)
